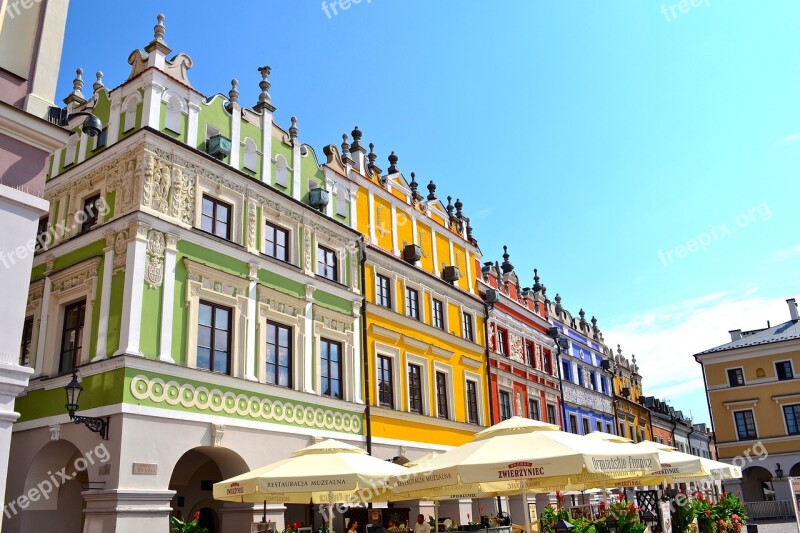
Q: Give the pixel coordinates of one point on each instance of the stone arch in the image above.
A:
(176, 108)
(192, 479)
(795, 470)
(56, 485)
(250, 154)
(130, 106)
(760, 373)
(757, 484)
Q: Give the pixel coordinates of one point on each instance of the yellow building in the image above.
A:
(425, 359)
(633, 417)
(753, 389)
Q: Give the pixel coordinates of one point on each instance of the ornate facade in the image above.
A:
(633, 418)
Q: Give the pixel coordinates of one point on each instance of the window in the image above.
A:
(90, 212)
(551, 414)
(502, 341)
(621, 429)
(216, 217)
(567, 367)
(533, 409)
(580, 375)
(214, 337)
(27, 338)
(438, 314)
(131, 104)
(282, 171)
(276, 242)
(529, 355)
(385, 388)
(609, 430)
(573, 424)
(327, 263)
(592, 380)
(72, 336)
(342, 206)
(505, 405)
(279, 354)
(415, 389)
(331, 371)
(472, 402)
(586, 428)
(42, 239)
(735, 377)
(412, 303)
(441, 395)
(548, 364)
(792, 415)
(784, 370)
(250, 154)
(383, 291)
(745, 424)
(174, 120)
(604, 384)
(466, 323)
(598, 425)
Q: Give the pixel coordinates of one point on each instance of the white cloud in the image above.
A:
(778, 256)
(789, 139)
(665, 339)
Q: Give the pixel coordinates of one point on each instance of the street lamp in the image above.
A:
(98, 425)
(778, 471)
(562, 526)
(612, 523)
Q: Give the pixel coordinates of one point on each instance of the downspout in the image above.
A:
(365, 347)
(561, 388)
(488, 363)
(708, 402)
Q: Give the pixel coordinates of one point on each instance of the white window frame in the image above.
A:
(251, 153)
(755, 423)
(348, 355)
(791, 367)
(130, 106)
(476, 378)
(728, 379)
(586, 423)
(197, 290)
(421, 295)
(447, 370)
(61, 296)
(538, 406)
(471, 313)
(282, 171)
(397, 383)
(34, 309)
(339, 252)
(425, 382)
(206, 187)
(277, 307)
(577, 429)
(435, 296)
(291, 241)
(392, 283)
(510, 393)
(176, 107)
(342, 201)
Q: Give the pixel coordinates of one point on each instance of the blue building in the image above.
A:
(586, 384)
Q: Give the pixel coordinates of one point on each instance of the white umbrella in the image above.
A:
(536, 454)
(326, 472)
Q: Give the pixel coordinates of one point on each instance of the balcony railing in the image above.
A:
(772, 509)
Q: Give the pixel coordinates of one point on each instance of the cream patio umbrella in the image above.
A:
(536, 454)
(326, 472)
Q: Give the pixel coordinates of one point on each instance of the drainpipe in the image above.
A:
(488, 363)
(708, 403)
(561, 388)
(365, 347)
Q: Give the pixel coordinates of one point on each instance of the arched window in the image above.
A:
(174, 121)
(281, 170)
(130, 107)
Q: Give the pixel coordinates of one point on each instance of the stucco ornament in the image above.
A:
(154, 265)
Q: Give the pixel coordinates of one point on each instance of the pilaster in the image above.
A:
(168, 299)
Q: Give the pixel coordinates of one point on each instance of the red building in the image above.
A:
(523, 375)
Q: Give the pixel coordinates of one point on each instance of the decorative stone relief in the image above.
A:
(334, 324)
(424, 242)
(55, 432)
(516, 348)
(154, 265)
(591, 399)
(87, 275)
(504, 381)
(307, 247)
(251, 224)
(125, 181)
(217, 432)
(183, 195)
(384, 225)
(250, 406)
(518, 405)
(120, 250)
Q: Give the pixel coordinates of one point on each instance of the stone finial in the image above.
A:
(233, 94)
(415, 196)
(76, 96)
(264, 99)
(98, 84)
(293, 130)
(619, 350)
(431, 191)
(393, 163)
(469, 231)
(507, 266)
(371, 156)
(159, 30)
(582, 314)
(356, 146)
(449, 208)
(459, 206)
(594, 325)
(536, 285)
(559, 308)
(345, 145)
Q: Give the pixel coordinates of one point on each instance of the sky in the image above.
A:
(644, 159)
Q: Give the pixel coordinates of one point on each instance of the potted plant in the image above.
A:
(179, 526)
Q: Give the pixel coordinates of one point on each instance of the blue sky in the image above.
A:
(592, 138)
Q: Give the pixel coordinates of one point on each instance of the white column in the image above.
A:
(82, 148)
(354, 208)
(468, 260)
(331, 186)
(266, 145)
(13, 381)
(395, 249)
(105, 298)
(236, 128)
(296, 164)
(194, 116)
(252, 318)
(435, 252)
(168, 299)
(151, 108)
(134, 292)
(371, 218)
(452, 253)
(357, 362)
(307, 364)
(113, 120)
(414, 237)
(43, 316)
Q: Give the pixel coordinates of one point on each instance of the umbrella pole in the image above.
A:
(603, 487)
(330, 512)
(264, 518)
(436, 516)
(524, 487)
